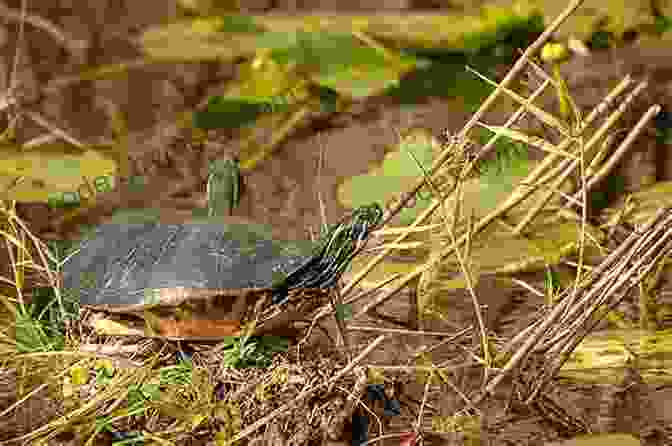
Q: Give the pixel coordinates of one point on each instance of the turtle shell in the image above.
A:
(118, 263)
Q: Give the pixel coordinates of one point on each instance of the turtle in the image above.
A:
(208, 277)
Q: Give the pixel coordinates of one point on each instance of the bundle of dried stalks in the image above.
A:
(558, 333)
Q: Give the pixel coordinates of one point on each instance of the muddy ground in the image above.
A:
(284, 190)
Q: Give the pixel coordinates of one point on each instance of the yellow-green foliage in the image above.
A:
(617, 16)
(36, 175)
(398, 172)
(602, 357)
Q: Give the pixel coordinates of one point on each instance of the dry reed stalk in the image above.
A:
(38, 22)
(624, 146)
(561, 330)
(516, 197)
(566, 168)
(446, 154)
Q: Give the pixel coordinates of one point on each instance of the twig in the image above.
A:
(340, 323)
(55, 130)
(528, 287)
(568, 166)
(471, 404)
(362, 404)
(624, 146)
(418, 424)
(443, 342)
(335, 427)
(549, 329)
(418, 368)
(573, 341)
(384, 437)
(327, 310)
(41, 387)
(40, 23)
(320, 166)
(21, 18)
(409, 332)
(306, 393)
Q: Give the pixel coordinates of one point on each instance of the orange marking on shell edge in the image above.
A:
(198, 328)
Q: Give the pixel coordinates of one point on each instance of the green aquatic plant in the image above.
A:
(252, 351)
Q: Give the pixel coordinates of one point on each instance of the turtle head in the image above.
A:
(363, 219)
(224, 165)
(336, 250)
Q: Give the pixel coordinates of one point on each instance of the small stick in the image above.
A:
(340, 323)
(38, 22)
(408, 332)
(415, 368)
(565, 169)
(306, 393)
(425, 393)
(623, 147)
(55, 130)
(335, 427)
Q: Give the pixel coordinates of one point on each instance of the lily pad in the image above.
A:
(500, 252)
(614, 16)
(56, 168)
(397, 173)
(641, 205)
(602, 357)
(227, 37)
(211, 38)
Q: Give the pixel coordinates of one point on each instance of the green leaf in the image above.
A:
(328, 98)
(136, 183)
(179, 374)
(139, 394)
(344, 64)
(79, 375)
(200, 40)
(265, 81)
(551, 281)
(104, 371)
(227, 37)
(343, 312)
(263, 86)
(64, 200)
(222, 112)
(663, 24)
(446, 78)
(136, 216)
(55, 172)
(239, 24)
(104, 183)
(360, 82)
(396, 174)
(547, 241)
(247, 351)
